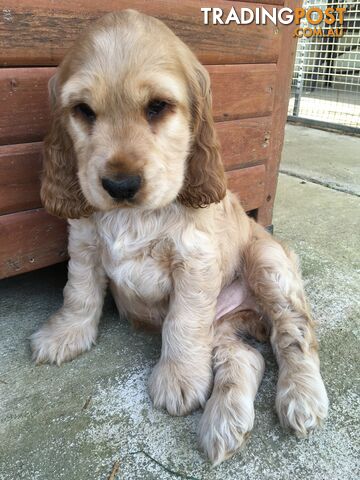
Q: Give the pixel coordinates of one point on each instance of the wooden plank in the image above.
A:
(39, 32)
(30, 240)
(239, 91)
(244, 142)
(278, 118)
(20, 167)
(268, 2)
(24, 104)
(242, 91)
(249, 185)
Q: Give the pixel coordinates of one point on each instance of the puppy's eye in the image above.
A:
(85, 112)
(155, 109)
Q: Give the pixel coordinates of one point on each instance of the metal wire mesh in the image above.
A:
(326, 82)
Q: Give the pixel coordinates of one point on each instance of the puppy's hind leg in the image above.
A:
(273, 276)
(228, 417)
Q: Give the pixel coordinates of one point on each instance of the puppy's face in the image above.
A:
(127, 105)
(129, 122)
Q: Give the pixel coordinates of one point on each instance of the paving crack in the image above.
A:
(331, 186)
(164, 467)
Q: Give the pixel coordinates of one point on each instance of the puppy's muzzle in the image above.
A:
(123, 187)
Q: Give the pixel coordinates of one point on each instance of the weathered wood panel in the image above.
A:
(269, 2)
(24, 104)
(244, 142)
(39, 32)
(239, 91)
(30, 240)
(242, 91)
(20, 167)
(249, 185)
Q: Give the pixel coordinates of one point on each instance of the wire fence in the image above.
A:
(326, 82)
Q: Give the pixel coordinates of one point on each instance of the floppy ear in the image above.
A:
(60, 192)
(205, 180)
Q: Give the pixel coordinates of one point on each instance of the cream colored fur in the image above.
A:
(166, 261)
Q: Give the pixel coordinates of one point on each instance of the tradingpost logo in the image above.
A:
(313, 16)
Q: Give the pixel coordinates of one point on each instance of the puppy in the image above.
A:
(132, 161)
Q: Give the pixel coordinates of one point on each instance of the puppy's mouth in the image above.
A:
(122, 188)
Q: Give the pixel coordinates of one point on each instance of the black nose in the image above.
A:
(123, 187)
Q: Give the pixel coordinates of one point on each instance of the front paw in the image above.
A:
(58, 341)
(179, 387)
(302, 403)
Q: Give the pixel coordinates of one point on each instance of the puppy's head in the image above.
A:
(132, 123)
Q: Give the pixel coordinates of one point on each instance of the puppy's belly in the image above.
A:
(235, 296)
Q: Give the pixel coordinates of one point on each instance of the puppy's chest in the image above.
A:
(138, 264)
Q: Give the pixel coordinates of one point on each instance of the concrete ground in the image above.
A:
(322, 157)
(76, 421)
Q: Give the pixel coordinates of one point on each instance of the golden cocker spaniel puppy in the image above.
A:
(132, 161)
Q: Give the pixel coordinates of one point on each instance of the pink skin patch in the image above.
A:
(233, 296)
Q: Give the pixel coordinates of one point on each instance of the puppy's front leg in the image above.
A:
(182, 379)
(73, 329)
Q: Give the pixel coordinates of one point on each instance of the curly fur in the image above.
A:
(206, 277)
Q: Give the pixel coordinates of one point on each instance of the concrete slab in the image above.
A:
(324, 157)
(74, 422)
